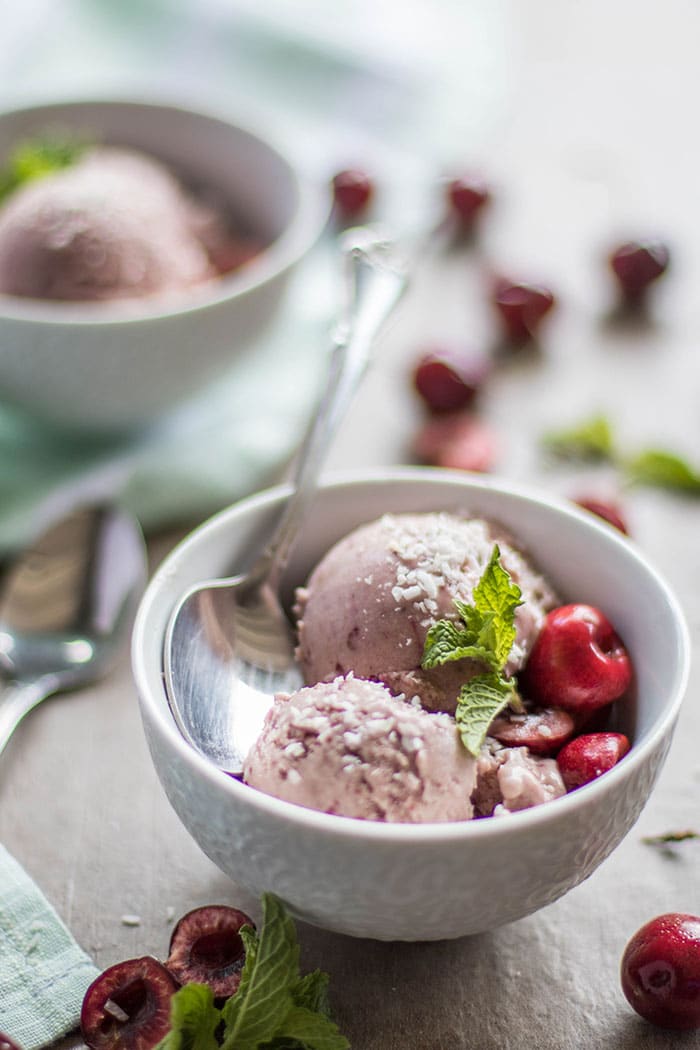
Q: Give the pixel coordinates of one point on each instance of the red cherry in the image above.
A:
(587, 757)
(448, 378)
(636, 265)
(7, 1044)
(604, 509)
(456, 441)
(467, 196)
(206, 948)
(128, 1006)
(543, 730)
(578, 662)
(521, 307)
(660, 971)
(352, 193)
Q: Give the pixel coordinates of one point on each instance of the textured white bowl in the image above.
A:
(106, 367)
(421, 882)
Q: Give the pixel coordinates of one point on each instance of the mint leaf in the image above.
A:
(194, 1020)
(37, 158)
(664, 470)
(311, 992)
(496, 597)
(480, 700)
(313, 1031)
(447, 641)
(591, 439)
(255, 1014)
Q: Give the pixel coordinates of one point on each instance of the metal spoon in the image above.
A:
(229, 646)
(66, 607)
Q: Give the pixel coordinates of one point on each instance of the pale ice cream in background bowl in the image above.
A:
(131, 281)
(436, 878)
(114, 224)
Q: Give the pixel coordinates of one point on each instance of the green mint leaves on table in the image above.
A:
(486, 634)
(593, 439)
(36, 158)
(274, 1007)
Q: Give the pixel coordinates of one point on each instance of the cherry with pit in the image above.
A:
(578, 662)
(660, 971)
(128, 1006)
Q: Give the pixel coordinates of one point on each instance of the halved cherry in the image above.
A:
(128, 1006)
(206, 947)
(544, 731)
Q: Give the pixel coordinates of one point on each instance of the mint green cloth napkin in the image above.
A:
(43, 972)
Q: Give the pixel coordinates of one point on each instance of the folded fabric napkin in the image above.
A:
(43, 972)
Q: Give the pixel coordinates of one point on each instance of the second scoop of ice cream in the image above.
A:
(369, 603)
(350, 748)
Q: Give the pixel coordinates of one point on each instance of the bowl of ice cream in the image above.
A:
(154, 251)
(359, 805)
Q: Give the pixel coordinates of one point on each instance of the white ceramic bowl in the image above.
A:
(97, 366)
(430, 881)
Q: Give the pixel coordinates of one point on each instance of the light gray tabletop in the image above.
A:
(595, 139)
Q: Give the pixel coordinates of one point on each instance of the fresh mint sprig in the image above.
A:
(486, 634)
(593, 439)
(274, 1008)
(36, 158)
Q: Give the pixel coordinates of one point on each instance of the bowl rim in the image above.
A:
(417, 834)
(303, 230)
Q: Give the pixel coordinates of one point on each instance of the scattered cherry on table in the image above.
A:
(353, 190)
(206, 948)
(128, 1006)
(449, 377)
(467, 196)
(521, 308)
(660, 971)
(636, 266)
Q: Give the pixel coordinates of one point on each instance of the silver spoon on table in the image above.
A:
(229, 646)
(66, 607)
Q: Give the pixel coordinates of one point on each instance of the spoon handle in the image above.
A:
(17, 699)
(376, 279)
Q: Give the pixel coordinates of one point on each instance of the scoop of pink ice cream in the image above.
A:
(512, 778)
(114, 225)
(369, 603)
(351, 748)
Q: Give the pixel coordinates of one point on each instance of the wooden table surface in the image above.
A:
(594, 139)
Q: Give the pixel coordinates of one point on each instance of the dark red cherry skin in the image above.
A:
(128, 1006)
(636, 265)
(604, 509)
(352, 192)
(587, 757)
(467, 196)
(8, 1044)
(448, 378)
(660, 971)
(456, 441)
(206, 948)
(578, 662)
(544, 731)
(521, 308)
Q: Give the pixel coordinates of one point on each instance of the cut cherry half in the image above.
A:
(206, 948)
(544, 731)
(128, 1006)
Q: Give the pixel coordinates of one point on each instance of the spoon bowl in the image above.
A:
(66, 607)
